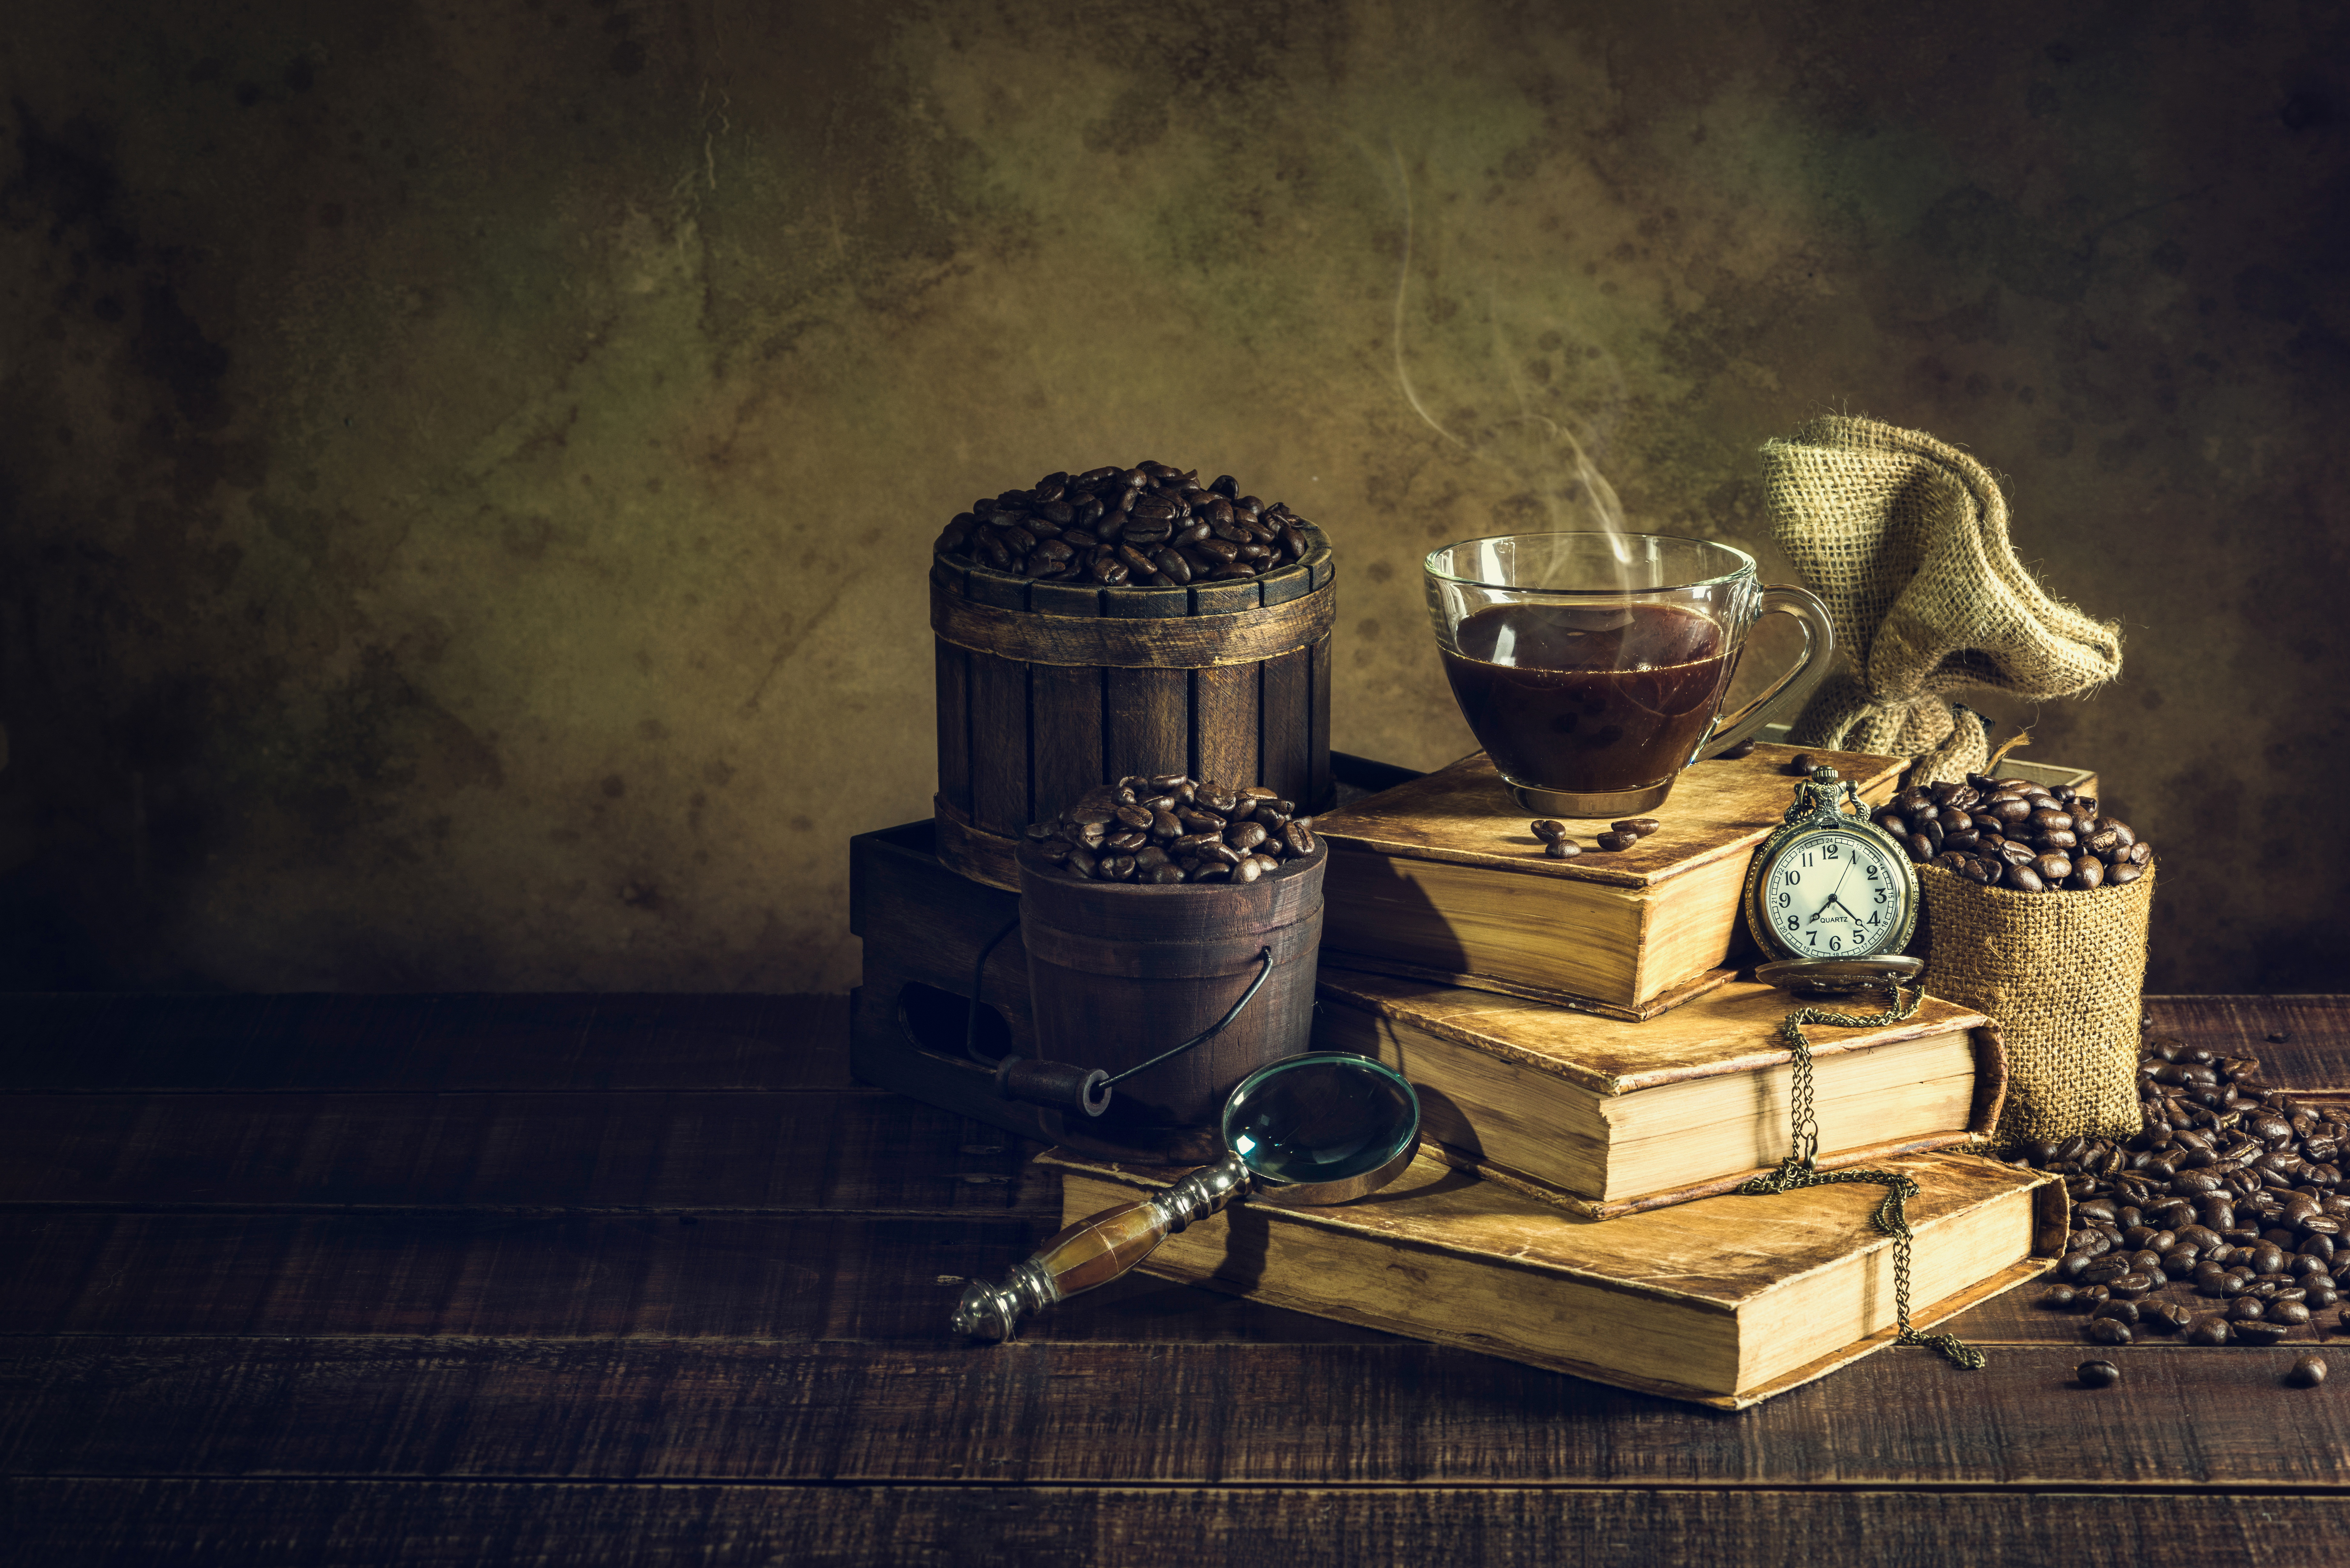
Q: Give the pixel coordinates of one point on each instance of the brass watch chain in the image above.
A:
(1798, 1169)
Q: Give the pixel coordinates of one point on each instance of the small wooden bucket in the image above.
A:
(1046, 689)
(1119, 972)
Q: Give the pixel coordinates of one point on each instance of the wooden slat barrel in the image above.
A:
(1119, 972)
(1046, 689)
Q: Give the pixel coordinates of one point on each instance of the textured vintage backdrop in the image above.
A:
(467, 470)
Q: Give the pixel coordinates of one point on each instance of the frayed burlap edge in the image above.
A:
(1905, 539)
(2060, 974)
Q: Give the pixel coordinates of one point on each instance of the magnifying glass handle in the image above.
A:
(1097, 1249)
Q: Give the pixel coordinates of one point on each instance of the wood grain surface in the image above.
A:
(298, 1523)
(1388, 1414)
(645, 1280)
(1224, 724)
(1286, 727)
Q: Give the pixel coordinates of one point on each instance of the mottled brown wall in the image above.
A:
(467, 470)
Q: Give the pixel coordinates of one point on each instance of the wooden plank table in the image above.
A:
(575, 1280)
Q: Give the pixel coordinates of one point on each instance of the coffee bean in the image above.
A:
(1545, 829)
(2307, 1373)
(1562, 849)
(2260, 1333)
(2210, 1329)
(2058, 1297)
(1801, 763)
(1161, 837)
(1637, 826)
(1612, 842)
(2287, 1312)
(2017, 836)
(2098, 1374)
(2108, 1331)
(1116, 528)
(1744, 748)
(2163, 1317)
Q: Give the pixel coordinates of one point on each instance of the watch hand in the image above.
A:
(1839, 904)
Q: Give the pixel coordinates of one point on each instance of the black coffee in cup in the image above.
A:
(1610, 697)
(1592, 666)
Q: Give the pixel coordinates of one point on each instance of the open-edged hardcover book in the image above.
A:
(1605, 1117)
(1441, 878)
(1726, 1301)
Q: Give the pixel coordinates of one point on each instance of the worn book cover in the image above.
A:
(1606, 1118)
(1441, 878)
(1725, 1301)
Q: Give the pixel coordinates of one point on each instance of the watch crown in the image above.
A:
(1824, 775)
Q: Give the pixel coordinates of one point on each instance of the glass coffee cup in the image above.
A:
(1592, 666)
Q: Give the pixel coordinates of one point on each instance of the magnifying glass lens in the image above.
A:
(1320, 1118)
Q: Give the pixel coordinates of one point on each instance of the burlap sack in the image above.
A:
(2059, 974)
(1905, 540)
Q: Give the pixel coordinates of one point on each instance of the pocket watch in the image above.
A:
(1831, 895)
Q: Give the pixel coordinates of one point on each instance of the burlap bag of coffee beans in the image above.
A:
(2059, 974)
(1905, 540)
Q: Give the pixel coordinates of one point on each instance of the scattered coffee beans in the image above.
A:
(2231, 1192)
(1152, 525)
(2097, 1373)
(2307, 1373)
(1172, 828)
(1559, 846)
(2016, 835)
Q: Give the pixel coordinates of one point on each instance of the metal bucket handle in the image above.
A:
(1063, 1086)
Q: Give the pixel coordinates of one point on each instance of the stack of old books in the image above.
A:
(1596, 1082)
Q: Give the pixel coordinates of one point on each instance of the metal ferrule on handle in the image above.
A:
(1095, 1251)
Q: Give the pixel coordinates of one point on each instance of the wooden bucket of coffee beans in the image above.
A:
(1123, 621)
(1133, 952)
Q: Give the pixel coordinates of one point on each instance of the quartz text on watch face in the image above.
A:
(1832, 895)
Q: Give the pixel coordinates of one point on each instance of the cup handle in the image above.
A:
(1796, 686)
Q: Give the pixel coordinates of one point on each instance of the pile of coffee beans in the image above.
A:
(1149, 526)
(2014, 834)
(1174, 828)
(2221, 1218)
(1624, 835)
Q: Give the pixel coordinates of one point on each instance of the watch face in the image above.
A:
(1833, 894)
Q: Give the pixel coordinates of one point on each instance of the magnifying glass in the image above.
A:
(1321, 1127)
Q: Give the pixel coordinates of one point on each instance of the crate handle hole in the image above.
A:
(934, 1021)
